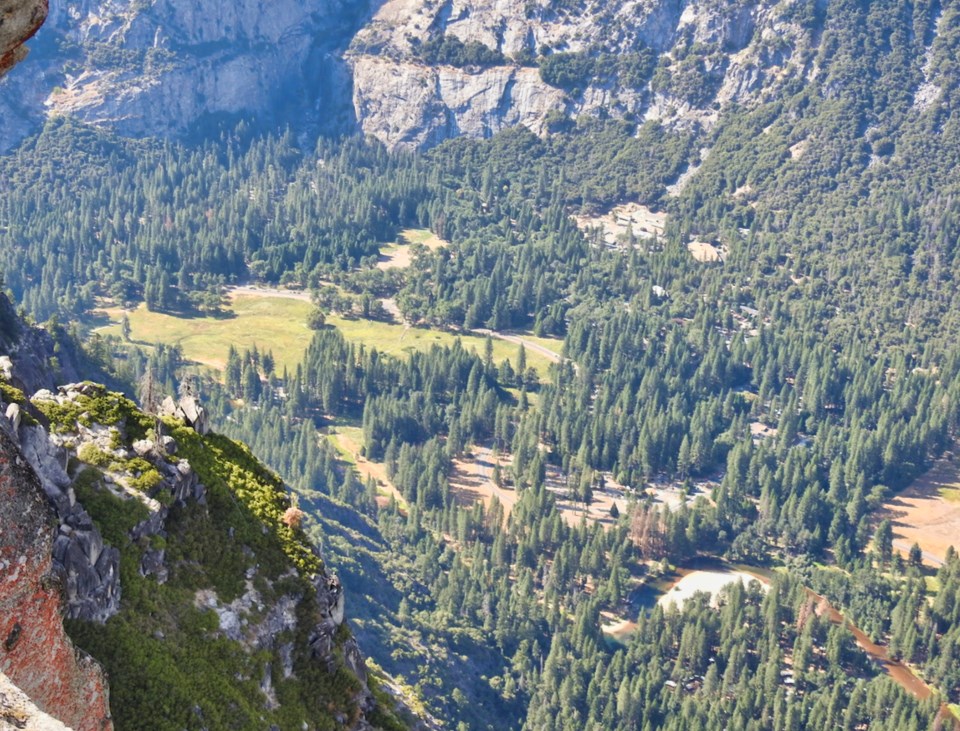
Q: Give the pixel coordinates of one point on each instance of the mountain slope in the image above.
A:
(181, 568)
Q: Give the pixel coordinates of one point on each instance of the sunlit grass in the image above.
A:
(271, 323)
(278, 324)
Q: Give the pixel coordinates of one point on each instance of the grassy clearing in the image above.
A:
(347, 440)
(401, 340)
(950, 493)
(398, 255)
(278, 323)
(270, 323)
(554, 344)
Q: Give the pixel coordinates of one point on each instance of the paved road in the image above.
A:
(551, 355)
(904, 547)
(290, 294)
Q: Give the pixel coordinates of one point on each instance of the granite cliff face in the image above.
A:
(702, 55)
(157, 67)
(148, 67)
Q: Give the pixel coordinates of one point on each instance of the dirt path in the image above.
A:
(897, 671)
(551, 355)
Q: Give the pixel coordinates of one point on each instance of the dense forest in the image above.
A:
(793, 384)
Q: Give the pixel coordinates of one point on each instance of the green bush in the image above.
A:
(92, 454)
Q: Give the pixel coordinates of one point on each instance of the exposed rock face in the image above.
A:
(188, 410)
(90, 567)
(27, 361)
(412, 105)
(90, 570)
(156, 67)
(19, 20)
(19, 712)
(746, 48)
(35, 653)
(159, 66)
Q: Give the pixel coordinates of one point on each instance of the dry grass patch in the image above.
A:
(598, 511)
(400, 255)
(471, 480)
(621, 221)
(347, 440)
(928, 512)
(704, 252)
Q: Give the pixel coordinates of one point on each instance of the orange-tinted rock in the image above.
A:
(35, 652)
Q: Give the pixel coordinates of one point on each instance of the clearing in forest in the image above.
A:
(928, 512)
(400, 340)
(471, 480)
(704, 252)
(269, 321)
(700, 580)
(573, 511)
(347, 440)
(276, 319)
(620, 222)
(399, 255)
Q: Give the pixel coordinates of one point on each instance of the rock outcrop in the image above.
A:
(89, 569)
(79, 444)
(56, 563)
(35, 653)
(17, 711)
(705, 55)
(19, 20)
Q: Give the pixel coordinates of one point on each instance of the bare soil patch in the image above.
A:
(928, 512)
(365, 468)
(704, 252)
(598, 511)
(623, 220)
(471, 480)
(400, 254)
